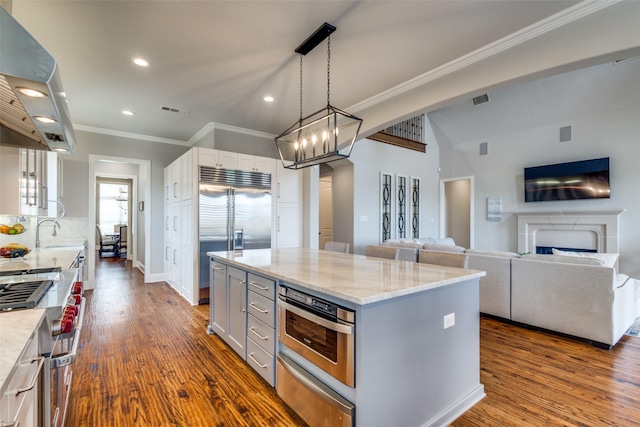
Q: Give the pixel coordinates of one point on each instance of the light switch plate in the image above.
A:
(449, 320)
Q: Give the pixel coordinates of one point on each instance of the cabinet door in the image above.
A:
(218, 298)
(288, 226)
(289, 185)
(228, 160)
(237, 310)
(208, 157)
(186, 175)
(246, 162)
(266, 165)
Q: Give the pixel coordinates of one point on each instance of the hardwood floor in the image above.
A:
(146, 360)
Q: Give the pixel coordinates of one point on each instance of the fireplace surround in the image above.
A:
(595, 230)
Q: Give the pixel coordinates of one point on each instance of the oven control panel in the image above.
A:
(319, 305)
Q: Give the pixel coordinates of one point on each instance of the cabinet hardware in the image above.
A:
(32, 383)
(256, 362)
(258, 308)
(256, 285)
(258, 335)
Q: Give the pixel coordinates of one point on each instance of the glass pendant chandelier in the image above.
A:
(324, 136)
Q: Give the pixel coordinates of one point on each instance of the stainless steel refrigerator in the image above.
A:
(235, 213)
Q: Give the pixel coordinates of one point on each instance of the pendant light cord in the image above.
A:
(301, 90)
(328, 70)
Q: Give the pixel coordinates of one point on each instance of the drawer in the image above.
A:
(24, 376)
(261, 361)
(261, 285)
(262, 334)
(261, 308)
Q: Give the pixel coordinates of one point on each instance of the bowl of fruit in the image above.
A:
(14, 250)
(12, 229)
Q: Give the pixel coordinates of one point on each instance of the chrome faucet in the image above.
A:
(56, 224)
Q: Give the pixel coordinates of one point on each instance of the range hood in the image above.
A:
(27, 69)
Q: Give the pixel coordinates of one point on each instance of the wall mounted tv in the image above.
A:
(585, 179)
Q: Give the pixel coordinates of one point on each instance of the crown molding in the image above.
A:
(129, 135)
(567, 16)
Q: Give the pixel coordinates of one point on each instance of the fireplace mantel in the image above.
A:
(571, 228)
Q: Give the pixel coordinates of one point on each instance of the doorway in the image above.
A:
(113, 212)
(326, 210)
(456, 210)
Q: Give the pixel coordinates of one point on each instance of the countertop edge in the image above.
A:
(473, 274)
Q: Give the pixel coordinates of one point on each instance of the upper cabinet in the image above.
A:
(217, 158)
(40, 178)
(288, 185)
(247, 162)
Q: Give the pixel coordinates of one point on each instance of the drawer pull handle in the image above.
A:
(32, 383)
(256, 285)
(256, 362)
(258, 308)
(252, 329)
(217, 267)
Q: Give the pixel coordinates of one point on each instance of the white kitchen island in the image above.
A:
(409, 369)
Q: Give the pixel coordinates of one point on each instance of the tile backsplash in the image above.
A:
(72, 230)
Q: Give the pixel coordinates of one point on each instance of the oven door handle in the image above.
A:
(334, 326)
(68, 359)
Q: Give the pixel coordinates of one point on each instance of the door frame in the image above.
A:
(443, 204)
(144, 174)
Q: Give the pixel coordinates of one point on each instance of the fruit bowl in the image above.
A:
(12, 229)
(11, 251)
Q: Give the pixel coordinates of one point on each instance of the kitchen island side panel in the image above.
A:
(410, 371)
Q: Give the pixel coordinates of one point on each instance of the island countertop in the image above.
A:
(355, 278)
(49, 257)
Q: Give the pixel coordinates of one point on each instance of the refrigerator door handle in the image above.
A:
(231, 243)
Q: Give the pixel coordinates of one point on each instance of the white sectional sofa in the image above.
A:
(573, 296)
(580, 295)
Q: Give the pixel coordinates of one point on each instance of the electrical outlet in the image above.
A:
(449, 320)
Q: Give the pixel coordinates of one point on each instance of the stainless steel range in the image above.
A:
(59, 293)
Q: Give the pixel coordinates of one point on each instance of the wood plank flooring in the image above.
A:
(145, 360)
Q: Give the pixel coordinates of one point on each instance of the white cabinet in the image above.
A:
(228, 305)
(19, 405)
(247, 162)
(179, 230)
(217, 158)
(288, 218)
(40, 181)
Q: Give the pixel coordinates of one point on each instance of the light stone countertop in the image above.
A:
(61, 256)
(356, 278)
(16, 327)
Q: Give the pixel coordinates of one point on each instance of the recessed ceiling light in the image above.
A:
(268, 98)
(141, 62)
(127, 112)
(45, 119)
(60, 149)
(31, 92)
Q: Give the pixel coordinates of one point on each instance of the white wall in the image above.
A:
(601, 104)
(369, 159)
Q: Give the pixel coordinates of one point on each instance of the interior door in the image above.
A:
(326, 211)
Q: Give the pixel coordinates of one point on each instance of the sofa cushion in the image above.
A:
(404, 243)
(564, 259)
(436, 241)
(606, 259)
(444, 248)
(491, 253)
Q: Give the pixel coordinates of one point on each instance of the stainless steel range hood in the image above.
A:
(27, 68)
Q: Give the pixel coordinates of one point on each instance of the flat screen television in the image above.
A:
(585, 179)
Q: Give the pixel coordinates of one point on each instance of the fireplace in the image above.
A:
(592, 231)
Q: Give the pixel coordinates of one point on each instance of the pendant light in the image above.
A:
(324, 136)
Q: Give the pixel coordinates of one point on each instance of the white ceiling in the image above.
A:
(218, 59)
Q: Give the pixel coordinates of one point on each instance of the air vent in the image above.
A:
(565, 134)
(482, 99)
(175, 110)
(54, 137)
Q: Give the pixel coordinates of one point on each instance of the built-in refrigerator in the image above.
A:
(234, 212)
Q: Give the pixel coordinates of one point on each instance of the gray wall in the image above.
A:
(521, 126)
(76, 181)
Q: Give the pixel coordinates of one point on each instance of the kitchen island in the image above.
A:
(417, 358)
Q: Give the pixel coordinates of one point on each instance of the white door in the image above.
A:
(326, 211)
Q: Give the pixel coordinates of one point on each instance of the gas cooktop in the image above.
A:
(25, 289)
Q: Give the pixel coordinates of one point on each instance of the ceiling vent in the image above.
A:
(482, 99)
(175, 110)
